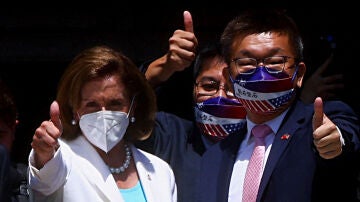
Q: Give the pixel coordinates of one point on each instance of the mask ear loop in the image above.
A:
(295, 73)
(132, 119)
(233, 82)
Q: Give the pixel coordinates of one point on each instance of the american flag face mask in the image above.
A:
(263, 92)
(218, 117)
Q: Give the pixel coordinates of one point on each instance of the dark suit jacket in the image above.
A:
(4, 174)
(294, 169)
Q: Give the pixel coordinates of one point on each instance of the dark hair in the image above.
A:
(8, 109)
(209, 51)
(256, 21)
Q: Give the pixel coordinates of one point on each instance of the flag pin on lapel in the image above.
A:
(285, 136)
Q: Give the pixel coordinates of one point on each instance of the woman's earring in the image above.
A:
(73, 122)
(132, 119)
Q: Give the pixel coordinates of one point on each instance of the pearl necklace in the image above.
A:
(126, 163)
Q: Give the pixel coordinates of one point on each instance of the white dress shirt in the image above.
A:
(244, 154)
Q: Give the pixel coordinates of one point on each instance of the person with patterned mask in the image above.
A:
(217, 113)
(287, 150)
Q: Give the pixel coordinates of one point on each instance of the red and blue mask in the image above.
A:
(263, 92)
(218, 117)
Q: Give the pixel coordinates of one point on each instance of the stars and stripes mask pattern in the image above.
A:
(218, 117)
(263, 92)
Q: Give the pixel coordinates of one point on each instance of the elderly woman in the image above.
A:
(85, 151)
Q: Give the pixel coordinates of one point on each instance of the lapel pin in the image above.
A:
(285, 136)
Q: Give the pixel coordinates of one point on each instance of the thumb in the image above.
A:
(55, 115)
(318, 113)
(188, 23)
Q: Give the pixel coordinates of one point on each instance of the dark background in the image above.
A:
(38, 41)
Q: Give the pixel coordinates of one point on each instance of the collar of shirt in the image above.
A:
(274, 124)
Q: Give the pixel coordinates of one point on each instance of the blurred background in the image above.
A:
(38, 41)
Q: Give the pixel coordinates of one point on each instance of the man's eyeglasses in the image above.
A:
(211, 87)
(274, 64)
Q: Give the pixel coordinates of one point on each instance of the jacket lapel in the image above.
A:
(97, 172)
(143, 165)
(286, 135)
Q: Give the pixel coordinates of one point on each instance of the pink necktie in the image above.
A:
(254, 169)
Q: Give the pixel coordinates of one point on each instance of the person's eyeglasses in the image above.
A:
(211, 87)
(274, 64)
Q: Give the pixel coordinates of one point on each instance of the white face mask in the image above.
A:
(104, 129)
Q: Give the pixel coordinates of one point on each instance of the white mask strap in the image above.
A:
(131, 105)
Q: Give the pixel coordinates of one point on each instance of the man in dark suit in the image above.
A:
(311, 149)
(217, 112)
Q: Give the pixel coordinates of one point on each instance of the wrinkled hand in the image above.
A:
(322, 86)
(182, 45)
(326, 136)
(45, 140)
